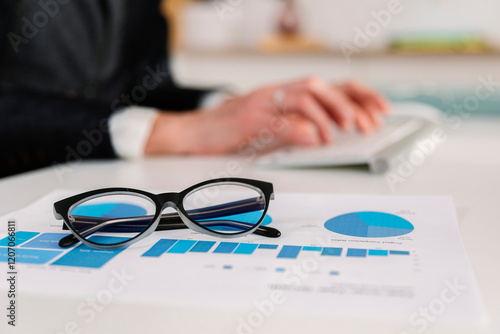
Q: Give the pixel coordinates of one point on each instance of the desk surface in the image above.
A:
(465, 166)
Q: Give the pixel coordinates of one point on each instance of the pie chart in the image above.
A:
(369, 224)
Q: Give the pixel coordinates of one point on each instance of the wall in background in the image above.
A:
(229, 24)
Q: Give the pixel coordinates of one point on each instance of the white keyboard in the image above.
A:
(347, 148)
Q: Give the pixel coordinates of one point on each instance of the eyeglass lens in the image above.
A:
(221, 208)
(225, 208)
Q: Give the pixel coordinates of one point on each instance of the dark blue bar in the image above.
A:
(265, 246)
(356, 252)
(394, 252)
(289, 252)
(331, 251)
(160, 247)
(84, 256)
(226, 247)
(202, 246)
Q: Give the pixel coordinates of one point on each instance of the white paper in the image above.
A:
(434, 282)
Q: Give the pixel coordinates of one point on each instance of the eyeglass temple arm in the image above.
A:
(172, 221)
(175, 223)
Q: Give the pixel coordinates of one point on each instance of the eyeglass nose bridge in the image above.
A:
(169, 200)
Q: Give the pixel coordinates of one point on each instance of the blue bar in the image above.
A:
(394, 252)
(331, 251)
(21, 236)
(334, 273)
(311, 248)
(46, 241)
(226, 247)
(289, 252)
(245, 249)
(34, 256)
(356, 252)
(202, 246)
(280, 270)
(182, 246)
(264, 246)
(377, 252)
(227, 267)
(160, 247)
(84, 256)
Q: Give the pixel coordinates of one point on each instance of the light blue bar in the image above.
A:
(226, 247)
(227, 267)
(356, 252)
(202, 246)
(394, 252)
(331, 251)
(245, 249)
(334, 273)
(160, 247)
(265, 246)
(377, 252)
(289, 252)
(311, 248)
(84, 256)
(20, 237)
(46, 241)
(33, 256)
(182, 246)
(280, 270)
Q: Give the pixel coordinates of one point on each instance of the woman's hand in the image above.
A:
(298, 113)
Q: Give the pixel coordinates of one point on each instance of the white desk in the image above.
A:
(466, 166)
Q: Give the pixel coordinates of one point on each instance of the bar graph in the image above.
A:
(174, 246)
(43, 248)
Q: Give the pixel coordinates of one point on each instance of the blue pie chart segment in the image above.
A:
(369, 224)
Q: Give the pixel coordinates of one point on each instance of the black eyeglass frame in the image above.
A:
(162, 201)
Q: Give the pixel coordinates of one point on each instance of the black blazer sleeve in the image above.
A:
(41, 130)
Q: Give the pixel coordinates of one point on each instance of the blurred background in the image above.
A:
(434, 51)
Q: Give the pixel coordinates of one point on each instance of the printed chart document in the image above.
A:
(357, 256)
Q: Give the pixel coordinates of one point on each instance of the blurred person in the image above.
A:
(91, 79)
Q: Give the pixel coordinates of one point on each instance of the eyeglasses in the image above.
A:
(226, 208)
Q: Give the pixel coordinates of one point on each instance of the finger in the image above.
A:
(369, 110)
(367, 97)
(299, 131)
(364, 122)
(334, 101)
(307, 106)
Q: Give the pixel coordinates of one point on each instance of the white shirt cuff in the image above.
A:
(215, 98)
(130, 129)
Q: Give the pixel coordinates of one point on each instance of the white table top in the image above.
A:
(466, 166)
